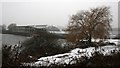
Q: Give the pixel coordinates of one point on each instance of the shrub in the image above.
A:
(42, 44)
(11, 56)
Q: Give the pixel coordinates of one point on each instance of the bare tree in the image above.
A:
(93, 23)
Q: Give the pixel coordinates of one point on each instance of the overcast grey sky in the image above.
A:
(50, 12)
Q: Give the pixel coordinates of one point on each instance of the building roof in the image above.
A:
(39, 26)
(52, 28)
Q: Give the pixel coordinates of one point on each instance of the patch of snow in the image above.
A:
(77, 53)
(74, 54)
(116, 41)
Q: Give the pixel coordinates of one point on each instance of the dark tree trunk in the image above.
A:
(89, 40)
(90, 36)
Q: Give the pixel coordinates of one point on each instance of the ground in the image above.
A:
(77, 53)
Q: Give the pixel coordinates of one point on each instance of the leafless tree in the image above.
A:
(88, 24)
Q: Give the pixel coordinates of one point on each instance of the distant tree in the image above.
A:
(93, 23)
(3, 27)
(11, 26)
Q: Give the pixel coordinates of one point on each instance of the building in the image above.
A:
(32, 29)
(24, 29)
(39, 26)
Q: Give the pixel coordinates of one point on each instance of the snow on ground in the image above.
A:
(69, 58)
(116, 41)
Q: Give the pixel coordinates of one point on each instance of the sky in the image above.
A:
(50, 12)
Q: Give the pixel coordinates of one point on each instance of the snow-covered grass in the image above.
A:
(116, 41)
(69, 58)
(77, 53)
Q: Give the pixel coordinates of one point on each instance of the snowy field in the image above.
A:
(69, 58)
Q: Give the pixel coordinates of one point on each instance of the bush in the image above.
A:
(11, 56)
(42, 44)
